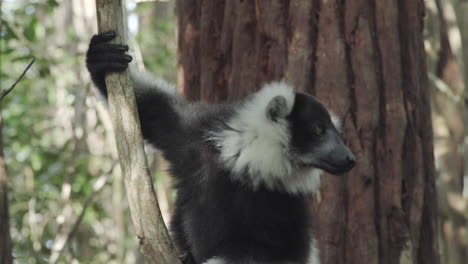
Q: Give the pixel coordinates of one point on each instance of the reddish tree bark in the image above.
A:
(365, 60)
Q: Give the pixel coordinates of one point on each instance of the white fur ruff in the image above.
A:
(256, 146)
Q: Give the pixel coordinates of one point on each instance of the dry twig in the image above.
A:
(7, 91)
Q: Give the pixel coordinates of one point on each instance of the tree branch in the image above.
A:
(154, 238)
(6, 92)
(63, 239)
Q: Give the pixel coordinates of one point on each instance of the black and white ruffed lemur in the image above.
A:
(242, 171)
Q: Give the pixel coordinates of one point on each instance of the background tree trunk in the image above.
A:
(5, 239)
(445, 67)
(365, 60)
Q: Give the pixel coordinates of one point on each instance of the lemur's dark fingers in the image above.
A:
(109, 58)
(103, 37)
(107, 48)
(107, 67)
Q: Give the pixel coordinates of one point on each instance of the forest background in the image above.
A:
(66, 198)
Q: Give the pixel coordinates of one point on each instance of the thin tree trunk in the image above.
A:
(450, 106)
(365, 60)
(154, 239)
(5, 239)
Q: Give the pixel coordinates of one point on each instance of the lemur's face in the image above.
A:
(315, 141)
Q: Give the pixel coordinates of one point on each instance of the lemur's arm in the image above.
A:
(159, 107)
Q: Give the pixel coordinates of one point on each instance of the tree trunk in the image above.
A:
(365, 61)
(449, 105)
(5, 239)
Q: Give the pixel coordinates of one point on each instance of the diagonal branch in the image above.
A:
(62, 240)
(7, 91)
(155, 242)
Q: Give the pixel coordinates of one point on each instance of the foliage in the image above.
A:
(157, 38)
(57, 138)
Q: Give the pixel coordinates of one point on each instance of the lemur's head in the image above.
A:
(282, 139)
(314, 137)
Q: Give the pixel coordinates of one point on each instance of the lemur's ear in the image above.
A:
(277, 108)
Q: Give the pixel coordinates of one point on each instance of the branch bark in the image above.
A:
(154, 239)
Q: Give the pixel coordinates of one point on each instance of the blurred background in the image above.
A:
(67, 202)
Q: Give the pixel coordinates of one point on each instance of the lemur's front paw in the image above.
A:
(103, 57)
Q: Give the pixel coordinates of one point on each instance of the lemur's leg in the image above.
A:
(178, 235)
(157, 105)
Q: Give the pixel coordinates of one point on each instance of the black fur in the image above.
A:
(214, 215)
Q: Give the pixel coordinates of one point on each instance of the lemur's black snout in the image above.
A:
(335, 157)
(341, 159)
(350, 161)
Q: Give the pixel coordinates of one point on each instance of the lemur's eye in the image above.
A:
(318, 130)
